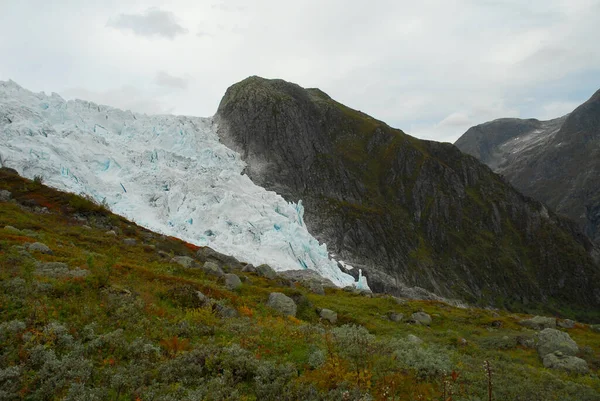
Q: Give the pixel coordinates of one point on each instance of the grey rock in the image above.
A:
(225, 311)
(212, 269)
(249, 268)
(266, 271)
(112, 233)
(232, 281)
(130, 241)
(5, 196)
(539, 323)
(282, 303)
(202, 298)
(557, 360)
(164, 255)
(395, 317)
(185, 261)
(566, 324)
(58, 270)
(12, 230)
(414, 339)
(307, 276)
(595, 328)
(226, 262)
(421, 318)
(526, 341)
(39, 247)
(551, 340)
(86, 227)
(329, 315)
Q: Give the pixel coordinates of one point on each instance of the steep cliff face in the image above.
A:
(409, 212)
(556, 161)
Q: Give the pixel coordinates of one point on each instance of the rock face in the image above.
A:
(553, 161)
(407, 212)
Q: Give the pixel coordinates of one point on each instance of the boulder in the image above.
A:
(39, 247)
(213, 269)
(266, 271)
(227, 262)
(232, 281)
(395, 317)
(112, 233)
(559, 361)
(5, 195)
(203, 299)
(329, 315)
(566, 324)
(282, 303)
(185, 261)
(414, 339)
(224, 311)
(595, 328)
(249, 268)
(421, 318)
(539, 323)
(12, 230)
(552, 340)
(129, 241)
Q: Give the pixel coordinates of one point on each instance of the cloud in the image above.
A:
(126, 98)
(152, 22)
(169, 81)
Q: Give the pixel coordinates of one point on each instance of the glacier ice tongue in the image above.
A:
(167, 173)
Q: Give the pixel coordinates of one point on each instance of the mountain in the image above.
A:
(556, 161)
(408, 211)
(280, 171)
(168, 173)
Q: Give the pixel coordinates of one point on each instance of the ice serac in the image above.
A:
(168, 173)
(407, 212)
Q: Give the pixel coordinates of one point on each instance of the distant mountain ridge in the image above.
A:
(408, 211)
(556, 161)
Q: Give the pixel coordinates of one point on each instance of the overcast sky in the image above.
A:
(431, 68)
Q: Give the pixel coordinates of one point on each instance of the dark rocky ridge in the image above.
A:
(556, 161)
(410, 212)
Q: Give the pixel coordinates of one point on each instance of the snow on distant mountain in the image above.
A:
(167, 173)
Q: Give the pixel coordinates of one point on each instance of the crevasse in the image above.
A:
(167, 173)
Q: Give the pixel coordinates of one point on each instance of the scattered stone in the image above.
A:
(595, 328)
(111, 233)
(266, 271)
(86, 227)
(551, 340)
(184, 261)
(539, 323)
(130, 241)
(314, 286)
(213, 269)
(282, 303)
(414, 339)
(525, 341)
(228, 262)
(232, 281)
(463, 342)
(202, 298)
(5, 196)
(497, 324)
(329, 315)
(395, 317)
(39, 247)
(163, 254)
(12, 230)
(224, 311)
(421, 318)
(249, 268)
(559, 361)
(399, 301)
(566, 324)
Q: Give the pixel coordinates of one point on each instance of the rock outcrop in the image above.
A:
(407, 212)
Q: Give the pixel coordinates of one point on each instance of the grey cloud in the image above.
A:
(165, 79)
(126, 98)
(152, 22)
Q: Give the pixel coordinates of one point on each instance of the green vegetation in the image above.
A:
(98, 319)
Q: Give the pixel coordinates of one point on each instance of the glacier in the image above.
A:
(168, 173)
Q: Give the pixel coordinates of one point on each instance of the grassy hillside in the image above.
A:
(122, 321)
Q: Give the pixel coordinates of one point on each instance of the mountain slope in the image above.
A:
(168, 173)
(112, 317)
(410, 212)
(557, 161)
